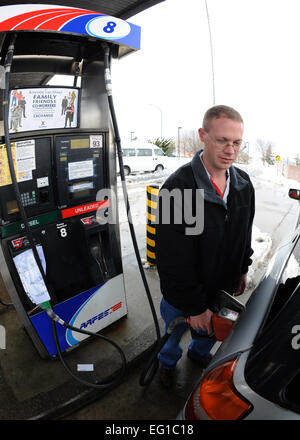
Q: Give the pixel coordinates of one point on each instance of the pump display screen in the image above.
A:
(79, 143)
(43, 108)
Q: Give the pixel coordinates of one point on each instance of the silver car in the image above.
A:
(255, 374)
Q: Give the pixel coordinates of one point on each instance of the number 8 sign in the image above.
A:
(108, 27)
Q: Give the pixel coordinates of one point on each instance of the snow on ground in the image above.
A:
(268, 174)
(261, 245)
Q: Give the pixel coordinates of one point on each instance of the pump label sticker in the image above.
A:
(18, 242)
(5, 178)
(96, 141)
(82, 209)
(25, 159)
(91, 220)
(23, 154)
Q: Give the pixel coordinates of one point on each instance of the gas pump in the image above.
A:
(57, 144)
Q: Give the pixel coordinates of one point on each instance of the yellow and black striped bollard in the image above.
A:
(152, 201)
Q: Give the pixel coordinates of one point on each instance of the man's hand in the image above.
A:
(242, 285)
(202, 321)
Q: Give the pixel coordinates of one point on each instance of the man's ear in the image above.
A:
(201, 134)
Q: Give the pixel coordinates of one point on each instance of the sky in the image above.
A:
(168, 83)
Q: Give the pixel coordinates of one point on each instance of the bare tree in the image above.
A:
(297, 160)
(243, 155)
(190, 142)
(266, 148)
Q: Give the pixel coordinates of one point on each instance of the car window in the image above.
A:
(158, 152)
(128, 152)
(289, 280)
(292, 269)
(144, 152)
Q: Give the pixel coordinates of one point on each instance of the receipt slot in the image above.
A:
(64, 158)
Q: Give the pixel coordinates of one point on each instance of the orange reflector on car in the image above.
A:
(217, 396)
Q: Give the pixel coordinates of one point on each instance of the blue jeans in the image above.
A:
(172, 351)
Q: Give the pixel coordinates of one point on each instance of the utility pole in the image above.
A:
(178, 143)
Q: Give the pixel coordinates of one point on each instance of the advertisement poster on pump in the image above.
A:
(43, 108)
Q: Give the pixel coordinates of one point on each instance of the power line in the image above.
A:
(211, 54)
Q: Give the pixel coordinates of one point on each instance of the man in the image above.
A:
(16, 117)
(22, 103)
(69, 115)
(192, 268)
(64, 104)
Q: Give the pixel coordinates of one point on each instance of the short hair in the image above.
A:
(220, 111)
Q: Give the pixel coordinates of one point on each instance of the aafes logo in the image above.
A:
(101, 315)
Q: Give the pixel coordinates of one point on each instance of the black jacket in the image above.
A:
(193, 267)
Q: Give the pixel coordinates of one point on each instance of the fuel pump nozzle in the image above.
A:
(98, 256)
(222, 322)
(226, 310)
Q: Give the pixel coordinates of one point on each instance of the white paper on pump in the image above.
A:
(30, 275)
(81, 169)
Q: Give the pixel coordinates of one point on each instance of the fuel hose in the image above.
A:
(5, 304)
(151, 368)
(116, 377)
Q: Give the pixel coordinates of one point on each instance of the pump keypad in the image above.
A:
(28, 198)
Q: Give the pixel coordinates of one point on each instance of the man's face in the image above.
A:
(222, 142)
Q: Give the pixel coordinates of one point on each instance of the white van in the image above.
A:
(145, 157)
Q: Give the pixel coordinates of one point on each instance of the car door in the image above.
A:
(129, 158)
(144, 158)
(160, 158)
